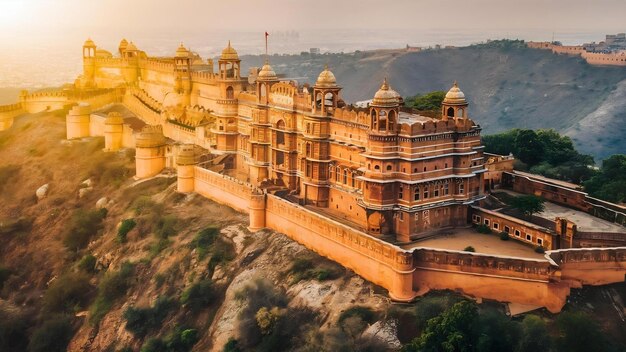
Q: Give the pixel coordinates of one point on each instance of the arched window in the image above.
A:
(388, 167)
(230, 93)
(450, 112)
(353, 180)
(377, 167)
(345, 176)
(337, 174)
(280, 135)
(374, 120)
(308, 149)
(460, 113)
(416, 194)
(329, 100)
(318, 100)
(391, 118)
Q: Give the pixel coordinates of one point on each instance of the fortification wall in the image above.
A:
(505, 279)
(591, 266)
(223, 189)
(8, 114)
(45, 101)
(604, 58)
(375, 260)
(404, 273)
(141, 110)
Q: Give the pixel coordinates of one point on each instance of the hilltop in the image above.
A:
(507, 86)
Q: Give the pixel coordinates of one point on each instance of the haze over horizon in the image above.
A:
(42, 38)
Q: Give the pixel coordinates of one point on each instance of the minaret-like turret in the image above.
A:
(89, 63)
(454, 104)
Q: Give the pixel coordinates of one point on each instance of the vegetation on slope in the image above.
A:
(547, 153)
(543, 152)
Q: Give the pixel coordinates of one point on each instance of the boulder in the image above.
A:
(42, 191)
(83, 191)
(102, 202)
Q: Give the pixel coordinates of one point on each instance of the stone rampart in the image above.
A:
(8, 114)
(536, 282)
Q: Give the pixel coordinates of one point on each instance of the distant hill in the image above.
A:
(506, 87)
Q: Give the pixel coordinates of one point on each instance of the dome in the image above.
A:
(267, 73)
(114, 118)
(182, 51)
(386, 96)
(123, 45)
(455, 95)
(186, 155)
(150, 137)
(229, 53)
(326, 79)
(89, 43)
(131, 47)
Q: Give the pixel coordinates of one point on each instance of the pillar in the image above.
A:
(402, 281)
(77, 121)
(186, 162)
(257, 210)
(113, 132)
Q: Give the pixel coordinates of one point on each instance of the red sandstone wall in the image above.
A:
(222, 189)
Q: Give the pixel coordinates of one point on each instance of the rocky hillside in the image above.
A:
(507, 87)
(101, 262)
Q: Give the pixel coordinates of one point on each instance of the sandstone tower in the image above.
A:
(185, 163)
(149, 152)
(89, 63)
(77, 121)
(113, 131)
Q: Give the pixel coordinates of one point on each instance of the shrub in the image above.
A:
(469, 249)
(199, 295)
(14, 327)
(140, 321)
(84, 224)
(113, 286)
(540, 249)
(365, 313)
(52, 336)
(4, 275)
(125, 227)
(166, 226)
(482, 228)
(504, 236)
(304, 269)
(203, 241)
(232, 346)
(179, 340)
(68, 293)
(158, 246)
(88, 263)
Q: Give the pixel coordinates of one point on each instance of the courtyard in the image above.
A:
(458, 239)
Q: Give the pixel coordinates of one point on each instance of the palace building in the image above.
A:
(366, 185)
(384, 169)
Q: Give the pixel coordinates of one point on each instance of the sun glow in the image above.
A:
(14, 12)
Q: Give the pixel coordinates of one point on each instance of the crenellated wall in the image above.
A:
(8, 114)
(536, 282)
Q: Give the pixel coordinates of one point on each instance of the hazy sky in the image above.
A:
(130, 16)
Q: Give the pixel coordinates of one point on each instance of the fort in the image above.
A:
(363, 186)
(610, 52)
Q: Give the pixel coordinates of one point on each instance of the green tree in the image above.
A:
(529, 147)
(528, 204)
(534, 335)
(610, 183)
(578, 332)
(426, 102)
(451, 331)
(52, 336)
